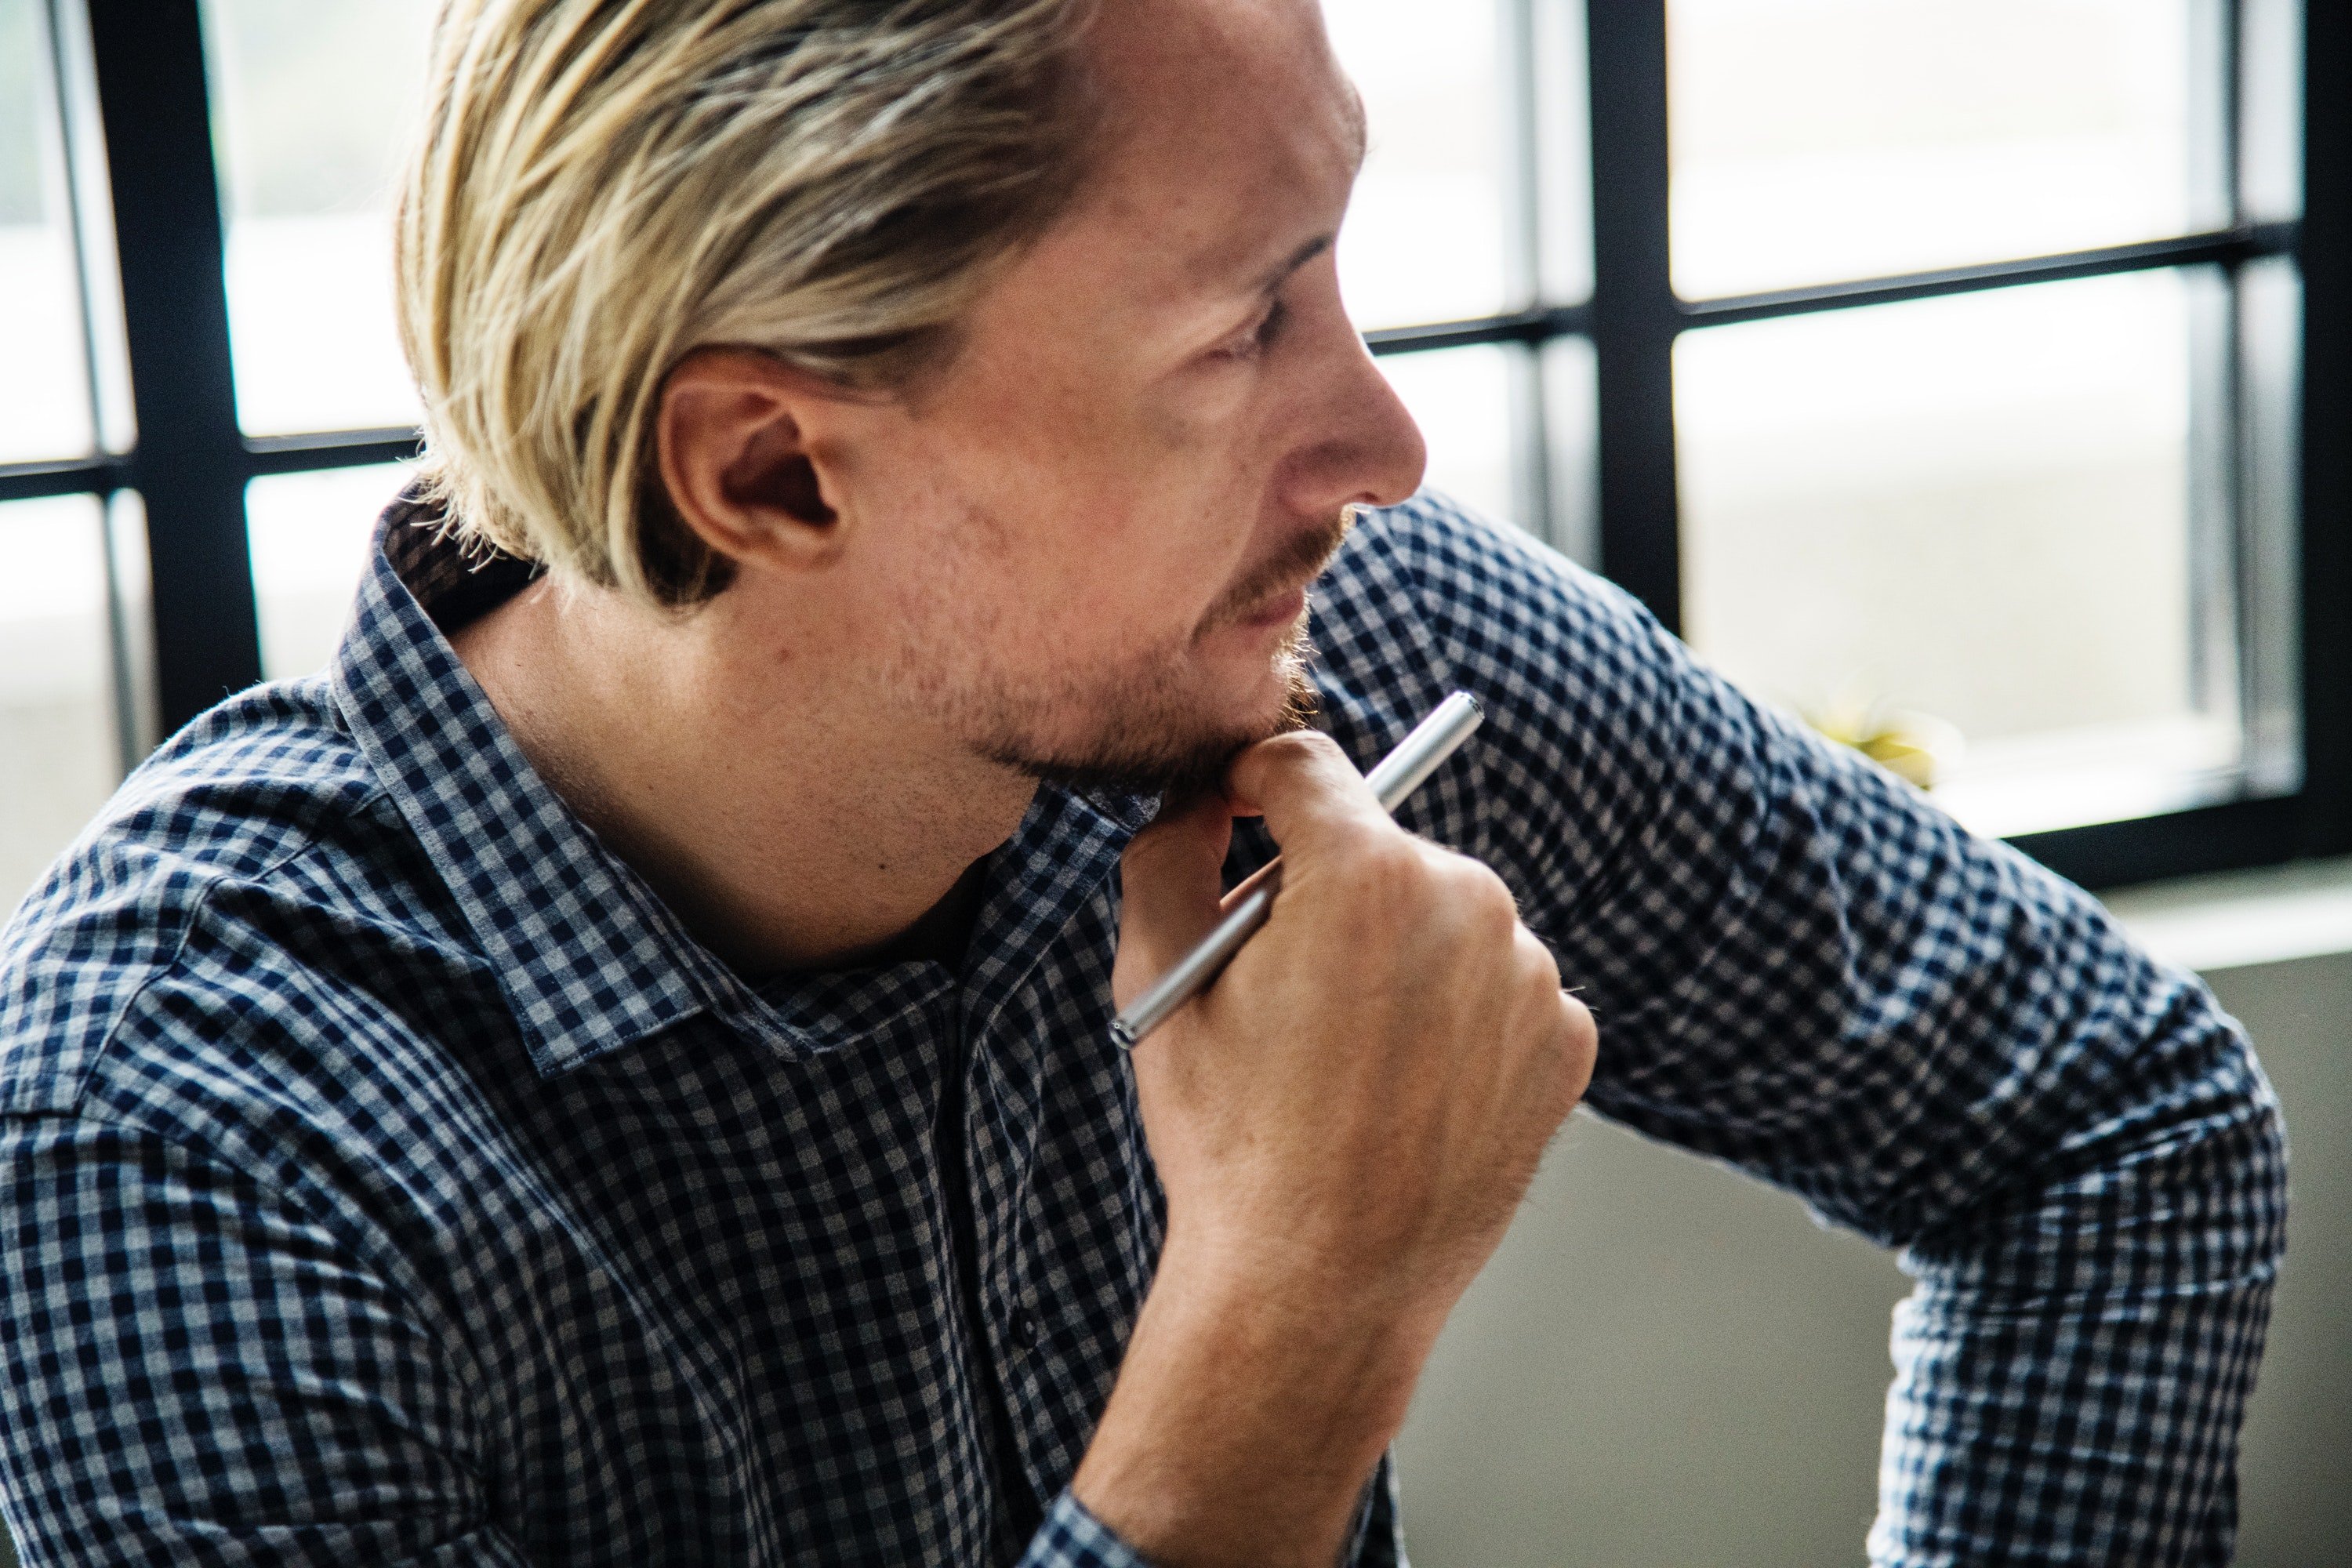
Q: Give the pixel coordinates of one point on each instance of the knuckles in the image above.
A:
(1538, 970)
(1379, 871)
(1427, 905)
(1485, 902)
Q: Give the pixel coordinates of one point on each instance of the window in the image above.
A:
(1938, 365)
(311, 108)
(202, 389)
(1470, 216)
(1942, 356)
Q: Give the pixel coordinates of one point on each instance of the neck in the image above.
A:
(789, 815)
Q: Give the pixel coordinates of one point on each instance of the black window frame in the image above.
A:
(191, 464)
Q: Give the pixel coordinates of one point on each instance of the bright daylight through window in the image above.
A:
(2014, 520)
(60, 753)
(1954, 407)
(312, 104)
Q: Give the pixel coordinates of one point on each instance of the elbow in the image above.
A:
(2214, 1171)
(2258, 1168)
(2176, 1185)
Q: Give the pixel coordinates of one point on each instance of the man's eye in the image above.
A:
(1255, 341)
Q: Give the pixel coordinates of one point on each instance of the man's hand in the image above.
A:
(1344, 1124)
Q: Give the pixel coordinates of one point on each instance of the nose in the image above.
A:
(1366, 449)
(1396, 456)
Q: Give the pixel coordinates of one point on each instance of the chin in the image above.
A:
(1161, 735)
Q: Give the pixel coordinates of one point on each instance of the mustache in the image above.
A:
(1300, 560)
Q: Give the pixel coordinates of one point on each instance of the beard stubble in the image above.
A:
(1150, 740)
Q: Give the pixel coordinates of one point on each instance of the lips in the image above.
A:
(1280, 581)
(1278, 610)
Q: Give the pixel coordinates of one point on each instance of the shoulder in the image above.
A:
(1526, 629)
(1471, 576)
(1569, 668)
(238, 878)
(1608, 754)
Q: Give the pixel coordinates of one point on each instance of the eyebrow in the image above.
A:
(1276, 276)
(1360, 131)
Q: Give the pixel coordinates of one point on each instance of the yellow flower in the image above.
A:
(1917, 747)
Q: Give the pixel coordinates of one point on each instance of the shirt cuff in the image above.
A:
(1073, 1537)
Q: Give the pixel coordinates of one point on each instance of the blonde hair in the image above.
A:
(605, 185)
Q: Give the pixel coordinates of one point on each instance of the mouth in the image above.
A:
(1279, 609)
(1275, 595)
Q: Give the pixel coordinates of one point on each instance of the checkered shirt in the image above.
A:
(386, 1176)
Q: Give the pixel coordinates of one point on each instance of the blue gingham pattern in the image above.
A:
(387, 1177)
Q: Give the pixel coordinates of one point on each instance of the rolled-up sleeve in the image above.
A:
(1802, 967)
(1073, 1537)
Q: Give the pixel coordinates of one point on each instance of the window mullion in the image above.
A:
(190, 462)
(2326, 545)
(1634, 315)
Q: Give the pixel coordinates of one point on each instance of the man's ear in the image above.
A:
(733, 437)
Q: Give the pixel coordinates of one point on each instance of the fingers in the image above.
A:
(1306, 788)
(1561, 1032)
(1171, 878)
(1580, 1046)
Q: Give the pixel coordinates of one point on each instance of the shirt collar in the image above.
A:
(589, 956)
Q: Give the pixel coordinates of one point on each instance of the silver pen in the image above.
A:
(1399, 773)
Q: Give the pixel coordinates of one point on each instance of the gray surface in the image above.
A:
(1667, 1364)
(2297, 1471)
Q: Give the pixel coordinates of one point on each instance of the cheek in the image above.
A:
(1071, 528)
(1144, 569)
(1139, 542)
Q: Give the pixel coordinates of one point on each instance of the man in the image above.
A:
(617, 1069)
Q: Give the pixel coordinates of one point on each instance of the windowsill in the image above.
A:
(2096, 772)
(2240, 919)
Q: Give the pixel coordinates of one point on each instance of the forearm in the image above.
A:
(1245, 1421)
(2073, 1373)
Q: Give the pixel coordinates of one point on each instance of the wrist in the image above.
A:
(1251, 1408)
(1281, 1292)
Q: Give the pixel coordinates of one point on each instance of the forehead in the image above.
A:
(1229, 135)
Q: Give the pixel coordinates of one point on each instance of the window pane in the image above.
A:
(1818, 139)
(1461, 399)
(44, 391)
(138, 718)
(1424, 236)
(308, 536)
(312, 104)
(56, 714)
(1572, 427)
(1980, 509)
(1562, 123)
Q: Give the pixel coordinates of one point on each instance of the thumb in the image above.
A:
(1170, 879)
(1303, 786)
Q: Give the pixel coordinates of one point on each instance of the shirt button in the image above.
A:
(1024, 1331)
